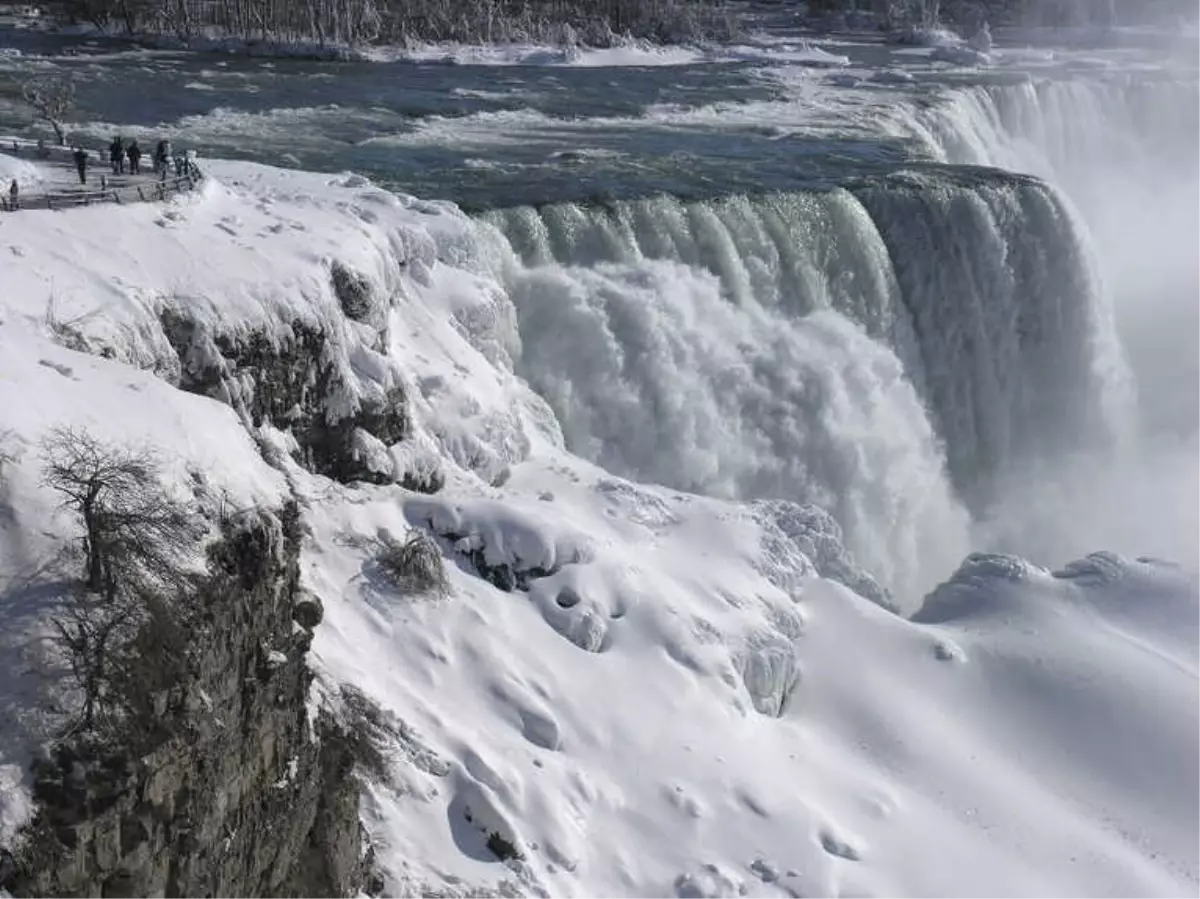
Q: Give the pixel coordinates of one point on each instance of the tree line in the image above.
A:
(358, 22)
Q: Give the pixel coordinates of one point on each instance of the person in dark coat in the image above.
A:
(134, 152)
(162, 154)
(116, 155)
(81, 160)
(14, 195)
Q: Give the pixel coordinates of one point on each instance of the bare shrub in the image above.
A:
(415, 565)
(366, 730)
(51, 97)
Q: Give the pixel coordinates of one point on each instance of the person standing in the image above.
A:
(162, 154)
(14, 196)
(81, 160)
(134, 152)
(116, 155)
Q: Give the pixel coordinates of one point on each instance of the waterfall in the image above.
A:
(1017, 352)
(882, 350)
(1124, 151)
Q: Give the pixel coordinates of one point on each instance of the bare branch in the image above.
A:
(133, 531)
(52, 98)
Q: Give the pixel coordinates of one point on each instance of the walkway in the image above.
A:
(61, 188)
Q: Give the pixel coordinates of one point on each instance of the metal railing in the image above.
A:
(146, 192)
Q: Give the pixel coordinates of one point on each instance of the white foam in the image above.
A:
(628, 54)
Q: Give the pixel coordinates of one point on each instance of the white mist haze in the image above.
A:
(1126, 155)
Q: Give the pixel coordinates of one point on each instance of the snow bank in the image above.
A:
(25, 172)
(628, 689)
(720, 735)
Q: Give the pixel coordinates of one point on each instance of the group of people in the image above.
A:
(119, 151)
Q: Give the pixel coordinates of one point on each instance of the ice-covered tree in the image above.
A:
(51, 98)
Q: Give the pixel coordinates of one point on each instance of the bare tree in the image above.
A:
(132, 528)
(90, 631)
(51, 98)
(356, 22)
(134, 543)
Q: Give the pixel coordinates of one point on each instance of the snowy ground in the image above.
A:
(681, 704)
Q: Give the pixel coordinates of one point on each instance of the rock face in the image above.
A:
(296, 380)
(242, 791)
(353, 292)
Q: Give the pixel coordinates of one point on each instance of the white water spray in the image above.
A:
(1125, 151)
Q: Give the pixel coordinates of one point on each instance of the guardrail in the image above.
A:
(146, 192)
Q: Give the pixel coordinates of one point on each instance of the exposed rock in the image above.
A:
(502, 575)
(353, 291)
(295, 381)
(238, 793)
(770, 671)
(977, 587)
(307, 609)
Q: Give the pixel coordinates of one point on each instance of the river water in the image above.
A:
(771, 115)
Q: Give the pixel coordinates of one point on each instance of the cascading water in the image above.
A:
(1124, 150)
(655, 371)
(789, 345)
(1016, 347)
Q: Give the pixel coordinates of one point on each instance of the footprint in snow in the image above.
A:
(540, 728)
(64, 370)
(753, 803)
(684, 801)
(538, 725)
(839, 847)
(948, 651)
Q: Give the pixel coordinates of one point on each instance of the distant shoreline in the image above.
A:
(692, 24)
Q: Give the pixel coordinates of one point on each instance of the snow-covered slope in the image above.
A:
(23, 171)
(677, 694)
